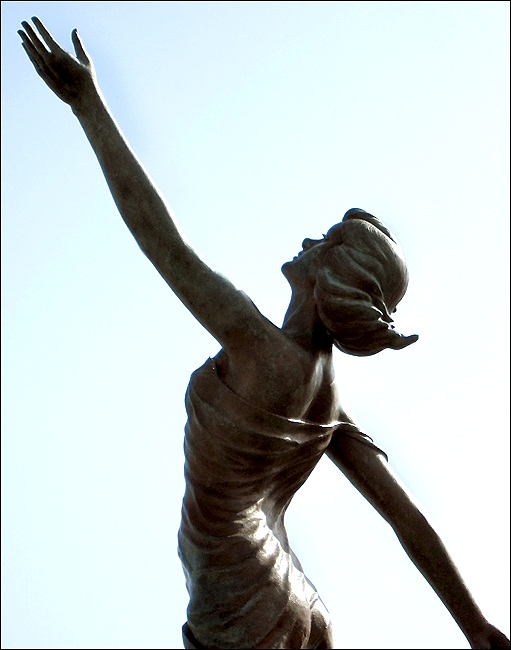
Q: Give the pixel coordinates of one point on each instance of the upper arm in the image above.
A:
(368, 470)
(226, 312)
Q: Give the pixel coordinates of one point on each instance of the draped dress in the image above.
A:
(243, 466)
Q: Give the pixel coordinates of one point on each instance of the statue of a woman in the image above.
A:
(265, 409)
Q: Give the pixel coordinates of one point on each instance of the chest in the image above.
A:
(285, 384)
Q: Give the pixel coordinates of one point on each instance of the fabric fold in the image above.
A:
(243, 466)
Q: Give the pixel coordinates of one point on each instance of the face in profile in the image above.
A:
(302, 268)
(303, 265)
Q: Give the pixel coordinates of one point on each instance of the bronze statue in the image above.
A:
(265, 409)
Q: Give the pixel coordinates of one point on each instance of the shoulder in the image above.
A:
(223, 310)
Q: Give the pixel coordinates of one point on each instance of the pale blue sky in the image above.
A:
(262, 123)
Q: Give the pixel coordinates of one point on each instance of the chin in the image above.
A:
(285, 268)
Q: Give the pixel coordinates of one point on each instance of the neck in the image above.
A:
(303, 324)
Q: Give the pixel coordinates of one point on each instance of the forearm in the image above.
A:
(211, 298)
(141, 205)
(371, 475)
(428, 553)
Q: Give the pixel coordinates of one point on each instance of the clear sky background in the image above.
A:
(262, 123)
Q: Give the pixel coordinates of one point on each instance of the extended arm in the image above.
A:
(225, 312)
(370, 474)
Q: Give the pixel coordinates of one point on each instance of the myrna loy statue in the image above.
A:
(265, 409)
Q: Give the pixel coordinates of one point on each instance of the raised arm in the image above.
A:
(225, 312)
(370, 473)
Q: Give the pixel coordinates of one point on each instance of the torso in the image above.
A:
(243, 466)
(261, 415)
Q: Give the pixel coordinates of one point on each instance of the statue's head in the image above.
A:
(359, 276)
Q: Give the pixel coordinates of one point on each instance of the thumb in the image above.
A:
(81, 54)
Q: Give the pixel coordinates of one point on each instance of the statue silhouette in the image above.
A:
(265, 409)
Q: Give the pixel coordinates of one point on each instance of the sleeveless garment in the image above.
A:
(243, 465)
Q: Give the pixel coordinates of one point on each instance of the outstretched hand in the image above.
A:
(71, 79)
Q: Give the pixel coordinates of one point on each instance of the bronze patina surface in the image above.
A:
(264, 411)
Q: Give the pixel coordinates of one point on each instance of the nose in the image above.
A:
(309, 243)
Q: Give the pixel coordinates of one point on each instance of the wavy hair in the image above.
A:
(359, 281)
